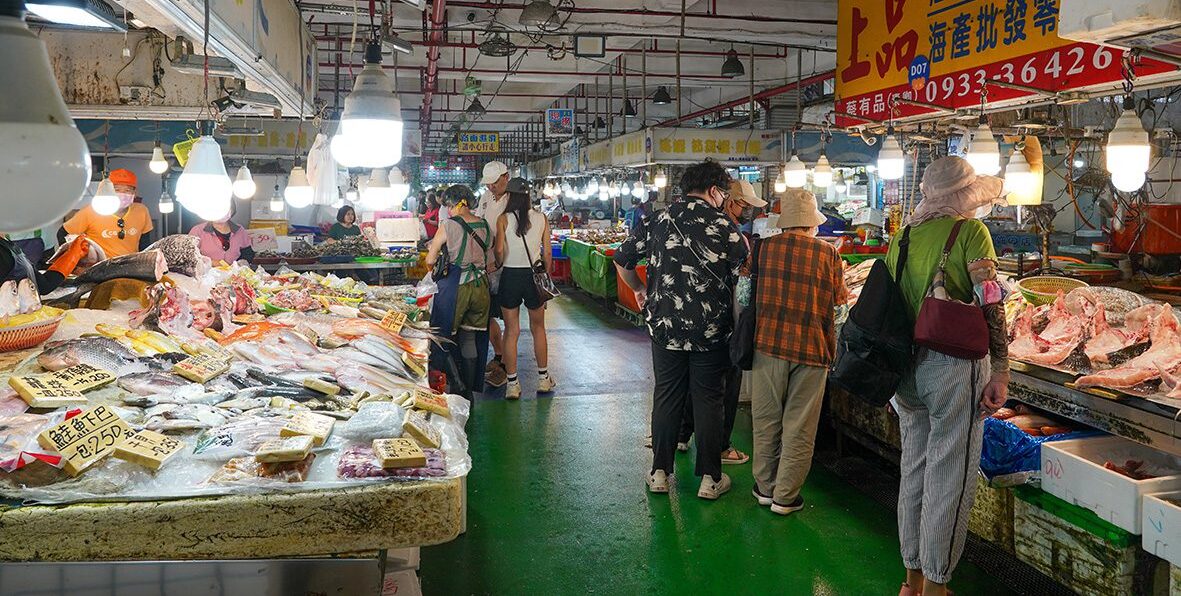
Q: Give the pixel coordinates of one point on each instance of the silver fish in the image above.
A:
(153, 383)
(100, 352)
(26, 294)
(9, 301)
(162, 425)
(244, 403)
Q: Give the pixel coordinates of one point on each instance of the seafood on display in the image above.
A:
(182, 252)
(100, 352)
(145, 266)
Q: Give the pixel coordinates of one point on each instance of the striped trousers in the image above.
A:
(938, 411)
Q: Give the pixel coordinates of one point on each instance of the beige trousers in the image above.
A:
(785, 410)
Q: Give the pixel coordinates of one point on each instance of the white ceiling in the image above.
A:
(537, 80)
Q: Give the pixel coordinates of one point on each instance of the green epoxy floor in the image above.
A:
(557, 503)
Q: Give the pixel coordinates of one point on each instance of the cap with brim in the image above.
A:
(797, 209)
(123, 177)
(743, 190)
(519, 185)
(493, 170)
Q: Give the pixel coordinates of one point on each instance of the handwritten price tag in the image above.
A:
(399, 453)
(148, 448)
(418, 426)
(425, 400)
(85, 438)
(201, 368)
(394, 321)
(316, 426)
(44, 391)
(83, 377)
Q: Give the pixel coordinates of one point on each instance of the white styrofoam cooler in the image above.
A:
(1073, 471)
(1162, 526)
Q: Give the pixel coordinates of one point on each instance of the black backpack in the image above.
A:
(875, 348)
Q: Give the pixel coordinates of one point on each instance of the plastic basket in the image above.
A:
(1043, 289)
(28, 335)
(181, 150)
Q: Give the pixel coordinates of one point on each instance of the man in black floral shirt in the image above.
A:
(694, 252)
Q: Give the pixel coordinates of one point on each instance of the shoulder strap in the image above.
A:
(903, 253)
(955, 232)
(468, 228)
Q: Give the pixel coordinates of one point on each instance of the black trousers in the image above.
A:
(688, 377)
(730, 408)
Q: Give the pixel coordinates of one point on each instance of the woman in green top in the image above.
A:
(942, 400)
(346, 224)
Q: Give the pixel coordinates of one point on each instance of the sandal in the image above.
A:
(734, 457)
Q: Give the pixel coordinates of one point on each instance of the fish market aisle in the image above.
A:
(557, 505)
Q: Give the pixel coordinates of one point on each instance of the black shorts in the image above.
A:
(517, 287)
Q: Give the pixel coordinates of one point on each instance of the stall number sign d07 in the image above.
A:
(943, 52)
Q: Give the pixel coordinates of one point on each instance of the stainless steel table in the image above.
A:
(381, 268)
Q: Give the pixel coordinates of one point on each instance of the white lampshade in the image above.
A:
(166, 205)
(378, 194)
(298, 192)
(244, 186)
(277, 203)
(638, 190)
(891, 159)
(593, 186)
(371, 123)
(660, 180)
(838, 181)
(44, 161)
(1128, 149)
(158, 165)
(822, 174)
(1128, 180)
(781, 180)
(399, 187)
(984, 153)
(795, 173)
(1024, 186)
(105, 201)
(203, 187)
(351, 195)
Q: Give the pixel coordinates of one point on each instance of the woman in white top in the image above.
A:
(522, 240)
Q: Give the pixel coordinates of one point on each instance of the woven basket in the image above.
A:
(27, 336)
(1043, 289)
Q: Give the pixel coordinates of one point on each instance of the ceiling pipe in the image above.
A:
(431, 82)
(644, 12)
(764, 94)
(473, 46)
(438, 69)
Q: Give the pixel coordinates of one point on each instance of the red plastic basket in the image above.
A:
(626, 297)
(29, 335)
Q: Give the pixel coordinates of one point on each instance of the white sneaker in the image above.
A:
(546, 384)
(513, 391)
(763, 500)
(795, 506)
(683, 447)
(711, 489)
(657, 482)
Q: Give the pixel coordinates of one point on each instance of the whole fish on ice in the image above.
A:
(100, 352)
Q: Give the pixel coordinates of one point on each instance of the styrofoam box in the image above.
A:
(1073, 471)
(1162, 526)
(1100, 21)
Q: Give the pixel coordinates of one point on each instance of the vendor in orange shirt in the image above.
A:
(123, 232)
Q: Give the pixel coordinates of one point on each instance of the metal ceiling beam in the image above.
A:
(432, 66)
(644, 12)
(764, 94)
(431, 80)
(629, 50)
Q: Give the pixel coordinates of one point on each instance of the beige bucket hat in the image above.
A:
(951, 188)
(743, 190)
(797, 209)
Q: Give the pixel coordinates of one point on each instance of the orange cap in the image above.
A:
(123, 177)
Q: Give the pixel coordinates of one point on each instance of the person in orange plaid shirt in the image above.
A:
(800, 283)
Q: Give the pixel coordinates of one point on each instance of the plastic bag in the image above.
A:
(1010, 450)
(18, 441)
(236, 439)
(425, 290)
(374, 420)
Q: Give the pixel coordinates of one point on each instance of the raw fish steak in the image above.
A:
(1165, 353)
(1105, 340)
(183, 254)
(1055, 343)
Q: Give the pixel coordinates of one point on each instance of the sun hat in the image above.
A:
(741, 189)
(519, 185)
(493, 170)
(797, 209)
(123, 177)
(951, 188)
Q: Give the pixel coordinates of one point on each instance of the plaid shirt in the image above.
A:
(800, 283)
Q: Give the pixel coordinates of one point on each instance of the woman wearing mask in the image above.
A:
(224, 240)
(121, 233)
(522, 232)
(346, 224)
(463, 299)
(942, 400)
(741, 208)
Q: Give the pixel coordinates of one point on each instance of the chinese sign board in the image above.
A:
(598, 155)
(683, 145)
(559, 122)
(479, 142)
(943, 52)
(85, 438)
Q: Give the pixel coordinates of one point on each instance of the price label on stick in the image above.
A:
(85, 438)
(148, 448)
(394, 321)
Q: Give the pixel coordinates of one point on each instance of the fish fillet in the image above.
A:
(1054, 344)
(1104, 339)
(1165, 353)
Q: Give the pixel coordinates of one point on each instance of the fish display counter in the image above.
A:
(221, 413)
